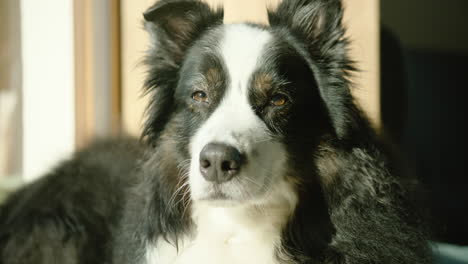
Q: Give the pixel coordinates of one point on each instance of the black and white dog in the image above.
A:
(254, 152)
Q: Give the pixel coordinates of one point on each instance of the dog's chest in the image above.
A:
(224, 249)
(222, 239)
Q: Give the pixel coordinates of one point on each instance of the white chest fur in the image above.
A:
(226, 235)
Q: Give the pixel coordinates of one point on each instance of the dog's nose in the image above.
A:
(219, 162)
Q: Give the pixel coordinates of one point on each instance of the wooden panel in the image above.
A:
(10, 89)
(363, 21)
(362, 18)
(116, 67)
(134, 42)
(236, 11)
(84, 72)
(97, 69)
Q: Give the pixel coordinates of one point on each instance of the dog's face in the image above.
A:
(243, 101)
(243, 88)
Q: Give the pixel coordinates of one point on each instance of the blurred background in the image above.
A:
(69, 73)
(424, 49)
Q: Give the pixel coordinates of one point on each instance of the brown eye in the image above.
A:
(200, 96)
(278, 100)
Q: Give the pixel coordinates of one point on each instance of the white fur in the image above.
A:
(233, 235)
(247, 231)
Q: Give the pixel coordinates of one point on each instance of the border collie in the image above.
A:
(254, 152)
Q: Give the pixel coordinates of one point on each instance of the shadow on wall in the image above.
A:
(424, 102)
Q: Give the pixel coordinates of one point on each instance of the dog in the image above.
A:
(253, 151)
(68, 215)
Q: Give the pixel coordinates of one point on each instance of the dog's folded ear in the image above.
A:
(175, 24)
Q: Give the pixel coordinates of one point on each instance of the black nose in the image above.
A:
(220, 163)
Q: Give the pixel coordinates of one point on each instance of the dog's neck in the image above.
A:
(232, 222)
(232, 233)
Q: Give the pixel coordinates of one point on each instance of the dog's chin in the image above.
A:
(219, 197)
(221, 202)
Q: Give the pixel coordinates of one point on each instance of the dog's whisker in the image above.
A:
(177, 192)
(253, 181)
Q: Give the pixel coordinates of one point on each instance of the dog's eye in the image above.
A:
(278, 100)
(200, 96)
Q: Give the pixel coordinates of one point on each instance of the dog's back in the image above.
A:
(41, 223)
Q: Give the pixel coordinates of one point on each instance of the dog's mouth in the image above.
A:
(217, 196)
(233, 191)
(215, 193)
(224, 173)
(273, 190)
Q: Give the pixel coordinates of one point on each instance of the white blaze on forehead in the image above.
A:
(242, 48)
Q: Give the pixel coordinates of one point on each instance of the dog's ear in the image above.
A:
(317, 24)
(173, 25)
(315, 20)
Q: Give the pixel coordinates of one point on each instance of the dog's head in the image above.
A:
(246, 104)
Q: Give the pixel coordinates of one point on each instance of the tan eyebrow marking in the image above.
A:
(214, 77)
(213, 82)
(263, 82)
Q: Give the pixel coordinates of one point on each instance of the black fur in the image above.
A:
(68, 215)
(353, 206)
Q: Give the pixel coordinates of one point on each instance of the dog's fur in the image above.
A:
(316, 185)
(68, 215)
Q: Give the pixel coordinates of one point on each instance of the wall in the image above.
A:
(97, 69)
(428, 24)
(48, 112)
(10, 89)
